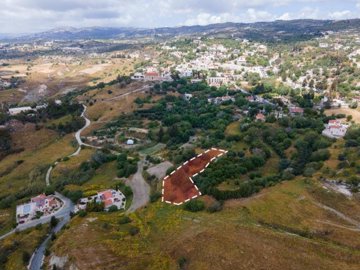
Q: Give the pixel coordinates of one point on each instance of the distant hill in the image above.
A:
(272, 31)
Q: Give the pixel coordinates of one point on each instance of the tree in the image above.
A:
(161, 134)
(26, 257)
(194, 206)
(53, 222)
(113, 208)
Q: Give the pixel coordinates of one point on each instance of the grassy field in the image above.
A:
(7, 219)
(280, 228)
(153, 150)
(25, 241)
(233, 129)
(10, 96)
(36, 160)
(26, 170)
(104, 178)
(347, 111)
(72, 163)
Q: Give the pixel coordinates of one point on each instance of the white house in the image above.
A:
(187, 97)
(335, 129)
(138, 76)
(18, 110)
(130, 142)
(217, 81)
(109, 197)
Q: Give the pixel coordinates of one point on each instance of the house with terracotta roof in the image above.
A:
(40, 205)
(335, 129)
(294, 111)
(109, 197)
(260, 117)
(152, 76)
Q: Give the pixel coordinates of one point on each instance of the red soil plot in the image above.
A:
(179, 187)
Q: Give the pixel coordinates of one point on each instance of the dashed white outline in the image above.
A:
(194, 175)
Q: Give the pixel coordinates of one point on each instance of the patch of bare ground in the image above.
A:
(347, 111)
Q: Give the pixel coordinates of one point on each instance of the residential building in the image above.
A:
(294, 111)
(18, 110)
(217, 81)
(152, 76)
(335, 129)
(109, 197)
(260, 117)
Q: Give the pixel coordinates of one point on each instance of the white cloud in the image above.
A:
(254, 15)
(338, 15)
(38, 15)
(286, 16)
(205, 18)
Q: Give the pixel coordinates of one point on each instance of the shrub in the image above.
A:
(155, 196)
(53, 221)
(113, 208)
(127, 191)
(170, 170)
(216, 206)
(134, 231)
(182, 262)
(194, 206)
(124, 220)
(82, 213)
(26, 257)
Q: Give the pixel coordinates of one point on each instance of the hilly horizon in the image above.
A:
(228, 139)
(282, 29)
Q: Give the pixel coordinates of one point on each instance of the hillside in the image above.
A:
(277, 30)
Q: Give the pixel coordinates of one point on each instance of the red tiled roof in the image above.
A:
(106, 195)
(108, 202)
(40, 197)
(297, 110)
(152, 74)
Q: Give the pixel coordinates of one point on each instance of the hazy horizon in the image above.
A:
(30, 16)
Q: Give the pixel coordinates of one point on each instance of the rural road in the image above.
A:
(79, 141)
(63, 213)
(339, 214)
(78, 135)
(37, 258)
(141, 89)
(140, 188)
(64, 216)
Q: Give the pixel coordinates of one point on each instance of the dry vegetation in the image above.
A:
(280, 228)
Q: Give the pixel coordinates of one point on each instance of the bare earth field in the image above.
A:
(179, 187)
(50, 76)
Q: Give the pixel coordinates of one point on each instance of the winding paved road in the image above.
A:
(80, 143)
(140, 188)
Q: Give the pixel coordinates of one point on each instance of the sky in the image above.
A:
(28, 16)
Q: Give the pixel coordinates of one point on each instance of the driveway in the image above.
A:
(140, 188)
(63, 213)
